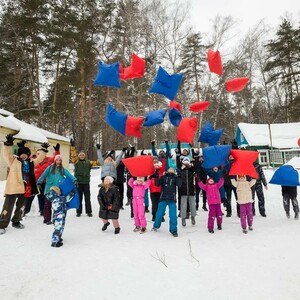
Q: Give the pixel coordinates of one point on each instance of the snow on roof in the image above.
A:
(284, 135)
(27, 131)
(294, 162)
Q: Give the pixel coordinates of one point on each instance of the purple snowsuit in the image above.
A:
(214, 202)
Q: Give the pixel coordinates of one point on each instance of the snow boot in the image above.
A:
(143, 230)
(57, 245)
(219, 227)
(2, 231)
(17, 225)
(193, 221)
(183, 223)
(204, 207)
(105, 226)
(211, 231)
(245, 230)
(137, 229)
(250, 228)
(175, 234)
(296, 216)
(288, 215)
(117, 230)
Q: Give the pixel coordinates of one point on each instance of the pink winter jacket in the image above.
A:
(212, 191)
(138, 190)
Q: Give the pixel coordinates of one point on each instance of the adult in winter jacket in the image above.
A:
(244, 199)
(289, 194)
(168, 183)
(258, 190)
(187, 190)
(212, 189)
(82, 172)
(162, 155)
(54, 175)
(109, 201)
(200, 174)
(20, 181)
(108, 164)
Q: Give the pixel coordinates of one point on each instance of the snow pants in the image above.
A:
(214, 212)
(246, 214)
(59, 218)
(286, 204)
(139, 212)
(258, 189)
(84, 190)
(162, 205)
(184, 206)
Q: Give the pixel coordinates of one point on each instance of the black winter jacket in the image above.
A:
(109, 202)
(188, 178)
(168, 183)
(290, 191)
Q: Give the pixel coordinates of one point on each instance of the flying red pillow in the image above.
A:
(214, 62)
(243, 163)
(199, 106)
(133, 126)
(186, 130)
(236, 84)
(139, 165)
(175, 104)
(137, 68)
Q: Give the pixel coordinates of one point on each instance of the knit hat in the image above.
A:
(24, 150)
(111, 180)
(187, 150)
(56, 157)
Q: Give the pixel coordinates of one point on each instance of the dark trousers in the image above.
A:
(286, 203)
(28, 203)
(7, 209)
(41, 198)
(198, 190)
(47, 210)
(84, 190)
(120, 186)
(154, 203)
(258, 189)
(228, 194)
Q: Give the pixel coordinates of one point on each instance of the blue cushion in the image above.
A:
(73, 201)
(115, 119)
(175, 117)
(166, 84)
(209, 135)
(215, 156)
(66, 186)
(155, 117)
(108, 75)
(285, 175)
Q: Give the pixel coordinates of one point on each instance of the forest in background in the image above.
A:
(50, 50)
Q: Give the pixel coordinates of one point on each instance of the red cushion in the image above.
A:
(214, 62)
(236, 84)
(140, 165)
(133, 126)
(121, 71)
(199, 106)
(175, 104)
(243, 163)
(136, 69)
(186, 130)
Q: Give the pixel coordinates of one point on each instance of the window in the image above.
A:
(276, 157)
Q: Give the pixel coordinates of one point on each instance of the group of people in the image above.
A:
(179, 180)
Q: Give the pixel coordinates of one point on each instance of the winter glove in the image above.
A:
(98, 146)
(44, 147)
(166, 142)
(9, 140)
(109, 207)
(76, 183)
(56, 148)
(21, 144)
(153, 143)
(72, 143)
(124, 149)
(177, 151)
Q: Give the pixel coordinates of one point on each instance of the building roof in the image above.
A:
(284, 135)
(27, 131)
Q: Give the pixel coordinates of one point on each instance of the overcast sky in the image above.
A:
(249, 13)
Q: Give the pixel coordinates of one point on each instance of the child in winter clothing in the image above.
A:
(214, 202)
(109, 201)
(139, 187)
(168, 183)
(244, 199)
(289, 194)
(59, 214)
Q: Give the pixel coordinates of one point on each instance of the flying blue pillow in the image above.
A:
(73, 201)
(209, 135)
(215, 156)
(165, 84)
(285, 175)
(108, 75)
(155, 117)
(175, 117)
(115, 119)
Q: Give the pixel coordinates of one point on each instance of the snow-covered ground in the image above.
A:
(263, 264)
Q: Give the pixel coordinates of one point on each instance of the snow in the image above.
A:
(284, 135)
(92, 264)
